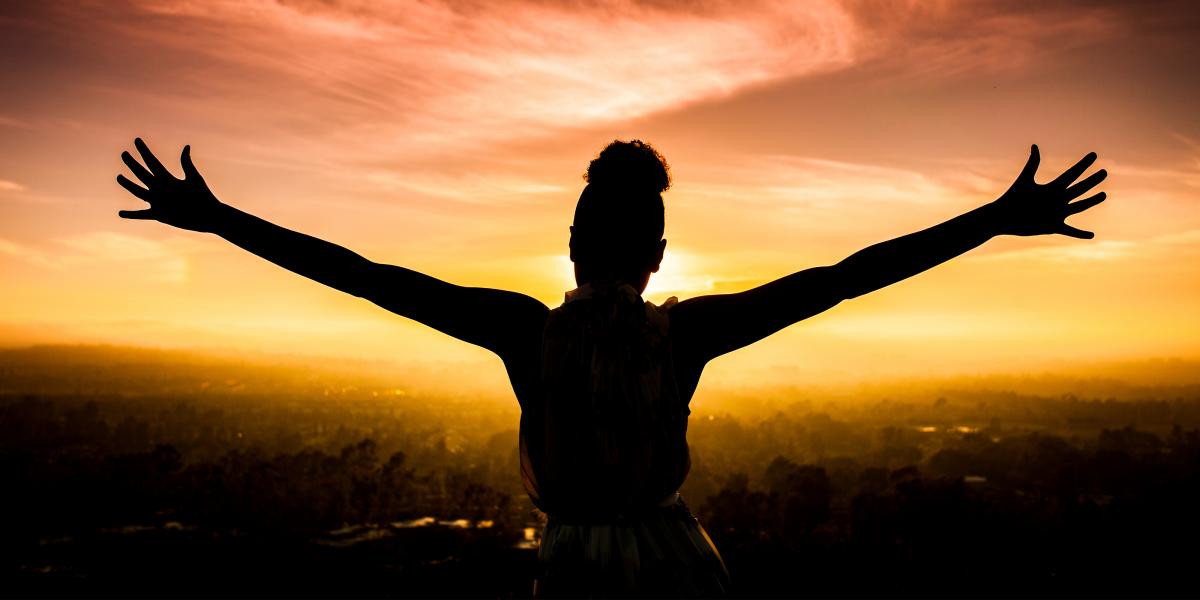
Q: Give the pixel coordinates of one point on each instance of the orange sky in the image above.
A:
(450, 137)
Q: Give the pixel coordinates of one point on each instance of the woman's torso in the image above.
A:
(604, 401)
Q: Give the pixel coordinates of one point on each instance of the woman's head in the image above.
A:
(618, 228)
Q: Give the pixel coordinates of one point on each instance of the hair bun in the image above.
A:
(633, 165)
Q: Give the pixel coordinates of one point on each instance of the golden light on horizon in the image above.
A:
(678, 275)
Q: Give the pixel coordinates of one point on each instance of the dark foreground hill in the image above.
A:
(144, 473)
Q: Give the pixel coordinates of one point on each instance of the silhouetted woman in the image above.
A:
(604, 380)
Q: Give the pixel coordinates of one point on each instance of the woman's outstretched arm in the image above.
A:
(494, 319)
(708, 326)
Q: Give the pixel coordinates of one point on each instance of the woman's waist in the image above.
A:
(672, 506)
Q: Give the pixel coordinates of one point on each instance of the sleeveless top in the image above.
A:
(606, 440)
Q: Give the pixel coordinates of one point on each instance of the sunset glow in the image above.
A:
(450, 137)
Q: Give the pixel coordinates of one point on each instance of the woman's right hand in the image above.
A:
(185, 203)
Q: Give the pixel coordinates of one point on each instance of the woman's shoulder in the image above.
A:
(659, 315)
(595, 304)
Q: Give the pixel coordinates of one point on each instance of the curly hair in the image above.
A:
(633, 164)
(620, 215)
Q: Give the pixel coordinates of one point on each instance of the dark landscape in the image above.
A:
(164, 473)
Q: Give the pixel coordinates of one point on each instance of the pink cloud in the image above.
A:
(406, 79)
(941, 38)
(10, 186)
(324, 84)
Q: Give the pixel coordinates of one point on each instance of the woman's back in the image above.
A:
(604, 451)
(605, 434)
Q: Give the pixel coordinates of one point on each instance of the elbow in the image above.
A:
(357, 278)
(838, 281)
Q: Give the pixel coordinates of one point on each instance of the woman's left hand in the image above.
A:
(1031, 208)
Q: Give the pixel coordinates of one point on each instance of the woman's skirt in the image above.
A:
(663, 553)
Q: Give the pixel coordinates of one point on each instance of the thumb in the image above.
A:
(1031, 166)
(189, 168)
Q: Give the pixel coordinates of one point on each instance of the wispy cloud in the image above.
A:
(1194, 146)
(9, 121)
(814, 183)
(10, 186)
(143, 258)
(1169, 246)
(323, 84)
(942, 38)
(410, 78)
(466, 188)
